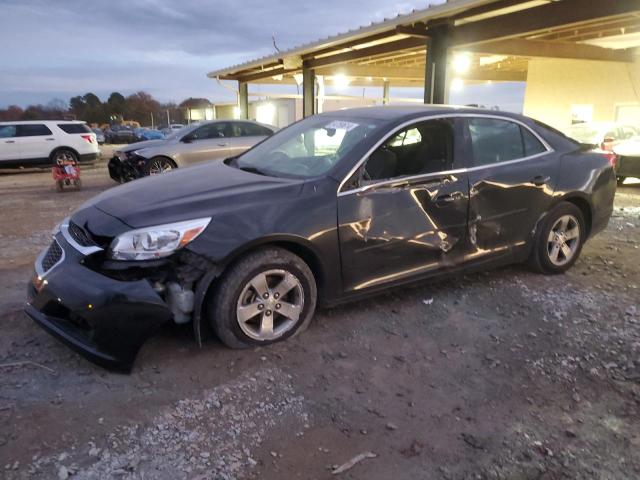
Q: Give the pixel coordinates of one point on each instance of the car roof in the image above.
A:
(39, 122)
(399, 112)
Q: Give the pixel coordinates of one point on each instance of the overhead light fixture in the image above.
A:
(369, 79)
(462, 63)
(340, 81)
(278, 78)
(457, 84)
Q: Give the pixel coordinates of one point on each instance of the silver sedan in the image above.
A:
(210, 140)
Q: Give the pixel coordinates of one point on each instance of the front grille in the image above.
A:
(53, 256)
(80, 235)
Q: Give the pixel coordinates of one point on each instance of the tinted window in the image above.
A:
(532, 146)
(426, 147)
(253, 130)
(74, 128)
(34, 130)
(211, 130)
(496, 141)
(7, 131)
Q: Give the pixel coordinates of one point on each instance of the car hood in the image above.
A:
(188, 193)
(140, 145)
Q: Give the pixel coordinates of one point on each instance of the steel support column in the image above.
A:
(435, 77)
(243, 100)
(385, 92)
(308, 92)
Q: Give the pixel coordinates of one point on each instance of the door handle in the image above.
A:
(223, 144)
(448, 198)
(50, 139)
(540, 180)
(10, 141)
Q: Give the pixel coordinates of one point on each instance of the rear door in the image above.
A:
(512, 177)
(9, 146)
(403, 214)
(36, 142)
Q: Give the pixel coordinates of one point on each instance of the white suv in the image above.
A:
(42, 142)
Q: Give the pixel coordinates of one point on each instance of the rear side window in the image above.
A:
(33, 130)
(74, 128)
(8, 131)
(495, 141)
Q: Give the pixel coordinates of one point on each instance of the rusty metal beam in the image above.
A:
(538, 19)
(366, 52)
(539, 48)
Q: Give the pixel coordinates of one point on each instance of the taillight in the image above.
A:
(612, 157)
(88, 138)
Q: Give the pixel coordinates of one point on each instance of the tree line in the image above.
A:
(140, 107)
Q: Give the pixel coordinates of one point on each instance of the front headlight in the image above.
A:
(156, 242)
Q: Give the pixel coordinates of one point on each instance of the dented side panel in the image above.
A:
(398, 230)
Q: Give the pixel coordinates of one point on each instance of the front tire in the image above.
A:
(266, 297)
(159, 165)
(620, 180)
(558, 240)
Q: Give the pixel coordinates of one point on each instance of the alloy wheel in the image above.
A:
(564, 240)
(159, 166)
(270, 305)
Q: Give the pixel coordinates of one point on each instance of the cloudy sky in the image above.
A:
(61, 48)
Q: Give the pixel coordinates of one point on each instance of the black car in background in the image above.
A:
(119, 134)
(332, 208)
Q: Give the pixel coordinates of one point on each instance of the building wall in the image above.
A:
(559, 90)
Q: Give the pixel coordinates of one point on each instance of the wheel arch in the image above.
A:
(582, 202)
(63, 147)
(295, 244)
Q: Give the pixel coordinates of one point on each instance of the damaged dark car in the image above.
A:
(334, 207)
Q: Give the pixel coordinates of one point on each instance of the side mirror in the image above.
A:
(187, 139)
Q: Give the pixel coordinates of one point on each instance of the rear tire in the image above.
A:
(64, 155)
(558, 240)
(620, 180)
(266, 297)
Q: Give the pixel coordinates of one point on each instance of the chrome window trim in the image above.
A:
(64, 229)
(547, 147)
(38, 265)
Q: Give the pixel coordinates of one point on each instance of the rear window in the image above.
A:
(74, 128)
(34, 130)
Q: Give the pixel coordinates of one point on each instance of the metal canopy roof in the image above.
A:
(500, 36)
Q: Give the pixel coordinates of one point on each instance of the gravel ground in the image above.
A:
(500, 375)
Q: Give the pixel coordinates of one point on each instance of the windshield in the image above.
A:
(590, 132)
(308, 148)
(182, 131)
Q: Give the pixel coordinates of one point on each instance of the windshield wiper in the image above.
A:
(252, 170)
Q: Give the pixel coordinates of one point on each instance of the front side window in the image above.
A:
(308, 148)
(495, 141)
(252, 130)
(209, 131)
(7, 131)
(33, 130)
(422, 148)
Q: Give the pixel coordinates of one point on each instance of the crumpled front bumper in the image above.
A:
(104, 319)
(125, 170)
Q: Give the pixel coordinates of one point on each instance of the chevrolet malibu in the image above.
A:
(333, 208)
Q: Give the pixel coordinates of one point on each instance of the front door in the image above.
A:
(404, 212)
(209, 142)
(512, 179)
